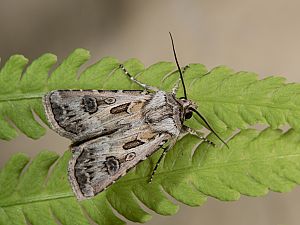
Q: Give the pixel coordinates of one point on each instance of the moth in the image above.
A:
(113, 130)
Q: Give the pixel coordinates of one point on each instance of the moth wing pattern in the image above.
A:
(82, 115)
(108, 140)
(98, 163)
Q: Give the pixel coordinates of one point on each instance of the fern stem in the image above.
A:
(18, 97)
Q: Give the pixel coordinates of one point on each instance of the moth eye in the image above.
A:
(188, 115)
(130, 156)
(90, 104)
(110, 100)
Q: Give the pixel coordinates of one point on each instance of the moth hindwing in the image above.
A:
(112, 131)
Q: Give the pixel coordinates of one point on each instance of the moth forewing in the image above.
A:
(90, 173)
(81, 115)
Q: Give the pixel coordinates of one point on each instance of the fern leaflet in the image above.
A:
(256, 162)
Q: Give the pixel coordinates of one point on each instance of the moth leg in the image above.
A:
(166, 149)
(145, 86)
(176, 86)
(195, 133)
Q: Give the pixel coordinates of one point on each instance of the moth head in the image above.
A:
(188, 107)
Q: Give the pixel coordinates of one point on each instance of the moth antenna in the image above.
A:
(209, 127)
(176, 60)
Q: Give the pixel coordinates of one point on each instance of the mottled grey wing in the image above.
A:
(98, 163)
(82, 115)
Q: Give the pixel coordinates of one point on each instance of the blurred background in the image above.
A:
(261, 36)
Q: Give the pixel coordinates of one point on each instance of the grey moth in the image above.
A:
(113, 130)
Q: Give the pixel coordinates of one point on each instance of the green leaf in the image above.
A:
(257, 161)
(227, 99)
(236, 100)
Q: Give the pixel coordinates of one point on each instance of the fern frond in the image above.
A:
(227, 99)
(255, 163)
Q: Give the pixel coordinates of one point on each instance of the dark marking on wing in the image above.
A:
(61, 113)
(113, 91)
(82, 175)
(57, 112)
(110, 100)
(132, 91)
(132, 144)
(120, 108)
(73, 127)
(130, 156)
(90, 104)
(82, 179)
(112, 164)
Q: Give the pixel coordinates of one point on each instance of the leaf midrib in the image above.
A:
(270, 105)
(21, 96)
(37, 95)
(39, 198)
(189, 169)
